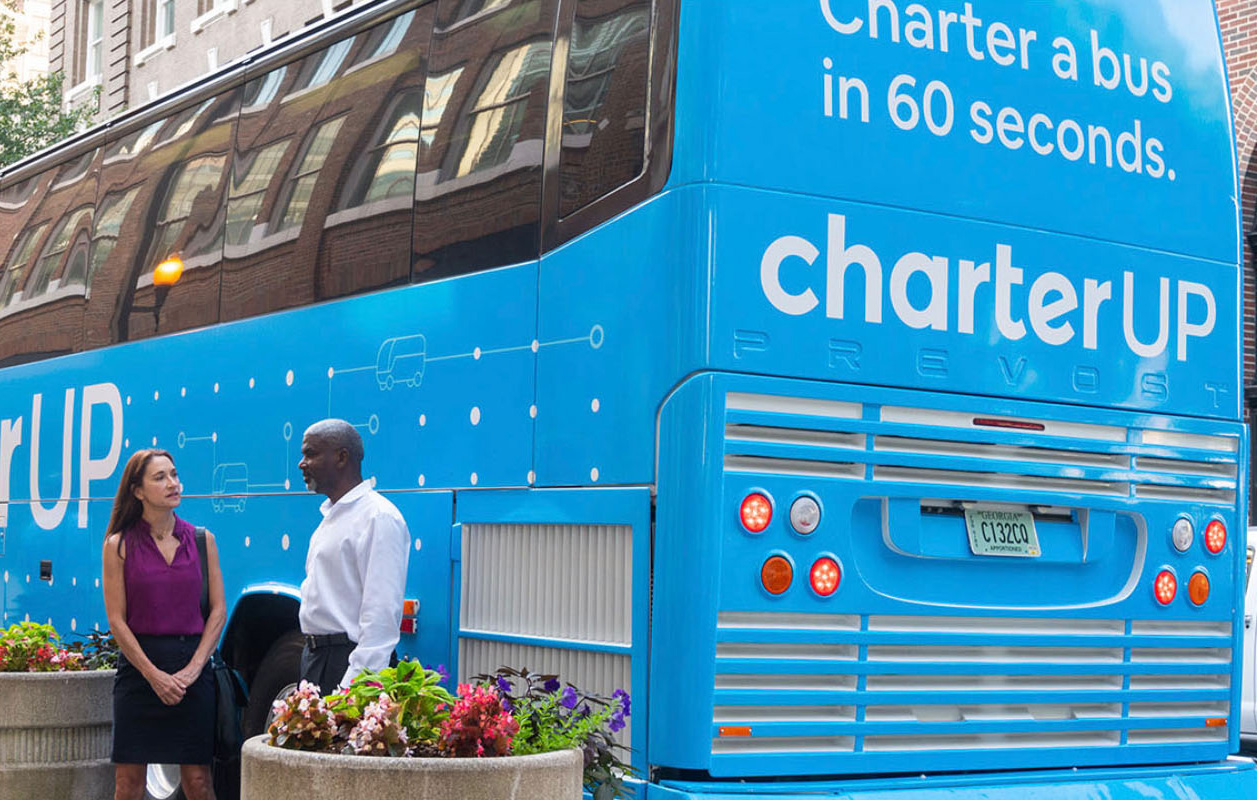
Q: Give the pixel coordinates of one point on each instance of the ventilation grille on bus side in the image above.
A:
(900, 684)
(794, 436)
(551, 598)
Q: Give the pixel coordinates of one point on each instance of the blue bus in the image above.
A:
(857, 382)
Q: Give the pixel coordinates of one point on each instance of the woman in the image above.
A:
(163, 697)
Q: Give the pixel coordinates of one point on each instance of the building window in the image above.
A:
(498, 116)
(387, 168)
(321, 67)
(12, 281)
(300, 186)
(202, 174)
(67, 229)
(108, 224)
(94, 51)
(252, 176)
(165, 18)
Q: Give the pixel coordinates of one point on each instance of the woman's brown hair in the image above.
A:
(127, 508)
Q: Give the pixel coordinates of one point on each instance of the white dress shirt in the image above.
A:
(361, 542)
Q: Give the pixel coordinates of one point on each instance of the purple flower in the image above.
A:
(551, 685)
(569, 698)
(506, 705)
(443, 672)
(623, 697)
(616, 723)
(504, 686)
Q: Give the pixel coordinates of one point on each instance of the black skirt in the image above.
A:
(146, 730)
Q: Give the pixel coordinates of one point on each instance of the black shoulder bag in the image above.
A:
(232, 696)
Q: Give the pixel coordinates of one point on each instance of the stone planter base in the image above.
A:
(55, 732)
(272, 773)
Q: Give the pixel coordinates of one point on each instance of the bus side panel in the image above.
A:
(231, 402)
(621, 319)
(860, 293)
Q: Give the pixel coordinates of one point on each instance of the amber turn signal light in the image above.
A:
(1198, 588)
(776, 575)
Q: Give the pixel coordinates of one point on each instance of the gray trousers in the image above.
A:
(325, 666)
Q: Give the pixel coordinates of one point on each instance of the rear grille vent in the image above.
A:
(796, 436)
(977, 684)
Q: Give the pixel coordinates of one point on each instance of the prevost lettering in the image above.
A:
(1054, 308)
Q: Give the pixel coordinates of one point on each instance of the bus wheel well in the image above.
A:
(258, 621)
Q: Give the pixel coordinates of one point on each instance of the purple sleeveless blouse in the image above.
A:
(162, 599)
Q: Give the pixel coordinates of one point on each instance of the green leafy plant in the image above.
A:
(555, 716)
(422, 703)
(302, 721)
(31, 112)
(98, 648)
(32, 647)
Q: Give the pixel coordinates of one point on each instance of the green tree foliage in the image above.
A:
(31, 113)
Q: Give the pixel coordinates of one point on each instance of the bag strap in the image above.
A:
(201, 551)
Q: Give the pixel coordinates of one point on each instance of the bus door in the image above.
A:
(556, 581)
(426, 621)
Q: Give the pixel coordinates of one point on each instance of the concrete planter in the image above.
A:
(272, 773)
(55, 730)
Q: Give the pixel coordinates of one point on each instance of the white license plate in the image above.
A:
(997, 532)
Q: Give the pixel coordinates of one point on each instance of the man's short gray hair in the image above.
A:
(340, 435)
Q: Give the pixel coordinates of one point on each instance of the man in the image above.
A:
(351, 599)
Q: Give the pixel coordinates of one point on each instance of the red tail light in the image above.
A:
(1165, 587)
(1215, 536)
(825, 576)
(756, 512)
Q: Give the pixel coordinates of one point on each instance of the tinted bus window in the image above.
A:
(163, 196)
(44, 287)
(478, 192)
(604, 100)
(319, 204)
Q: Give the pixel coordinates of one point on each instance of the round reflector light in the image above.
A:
(1215, 536)
(1198, 588)
(1165, 587)
(756, 512)
(776, 575)
(826, 575)
(805, 515)
(1183, 534)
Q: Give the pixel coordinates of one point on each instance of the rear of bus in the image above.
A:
(961, 490)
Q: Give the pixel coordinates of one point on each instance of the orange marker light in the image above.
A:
(410, 608)
(826, 575)
(1165, 587)
(1215, 536)
(1215, 722)
(1198, 588)
(168, 272)
(734, 730)
(776, 575)
(756, 512)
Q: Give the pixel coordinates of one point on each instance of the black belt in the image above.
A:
(315, 641)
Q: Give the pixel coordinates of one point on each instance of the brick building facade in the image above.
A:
(1238, 19)
(137, 50)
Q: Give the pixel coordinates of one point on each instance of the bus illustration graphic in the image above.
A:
(229, 485)
(401, 360)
